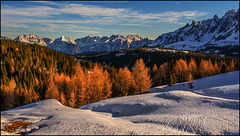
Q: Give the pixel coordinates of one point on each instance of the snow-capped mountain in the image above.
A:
(89, 43)
(198, 36)
(66, 45)
(32, 38)
(211, 32)
(115, 42)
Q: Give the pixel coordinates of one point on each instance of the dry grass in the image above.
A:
(15, 125)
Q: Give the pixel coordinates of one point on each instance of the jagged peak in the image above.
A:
(194, 23)
(90, 35)
(215, 17)
(229, 13)
(133, 35)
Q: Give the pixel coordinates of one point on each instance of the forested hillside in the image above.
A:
(28, 71)
(127, 57)
(31, 73)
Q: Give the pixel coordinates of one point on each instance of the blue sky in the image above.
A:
(77, 19)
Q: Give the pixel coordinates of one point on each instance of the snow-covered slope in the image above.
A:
(211, 107)
(211, 32)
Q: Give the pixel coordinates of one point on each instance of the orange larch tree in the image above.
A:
(124, 83)
(141, 76)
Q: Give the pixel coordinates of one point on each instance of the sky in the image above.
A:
(76, 19)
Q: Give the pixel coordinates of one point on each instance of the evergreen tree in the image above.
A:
(224, 68)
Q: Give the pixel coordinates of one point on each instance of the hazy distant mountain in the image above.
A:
(199, 35)
(66, 45)
(5, 37)
(115, 42)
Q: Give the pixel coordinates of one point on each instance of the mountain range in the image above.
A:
(203, 36)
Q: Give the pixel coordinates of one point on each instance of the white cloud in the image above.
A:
(97, 14)
(82, 31)
(52, 17)
(37, 11)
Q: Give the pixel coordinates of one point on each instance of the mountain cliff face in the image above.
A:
(209, 36)
(198, 35)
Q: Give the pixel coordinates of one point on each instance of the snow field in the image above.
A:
(210, 108)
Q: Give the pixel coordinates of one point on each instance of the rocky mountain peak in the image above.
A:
(229, 14)
(215, 18)
(31, 38)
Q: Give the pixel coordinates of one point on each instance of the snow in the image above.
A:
(120, 54)
(210, 108)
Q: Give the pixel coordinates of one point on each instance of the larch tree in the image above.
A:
(10, 94)
(177, 69)
(141, 76)
(185, 70)
(216, 68)
(203, 68)
(211, 69)
(170, 80)
(52, 89)
(192, 66)
(164, 69)
(107, 88)
(155, 75)
(231, 66)
(63, 98)
(99, 85)
(124, 83)
(78, 81)
(190, 81)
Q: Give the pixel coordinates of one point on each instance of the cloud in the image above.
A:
(65, 16)
(37, 11)
(89, 10)
(82, 31)
(136, 25)
(96, 14)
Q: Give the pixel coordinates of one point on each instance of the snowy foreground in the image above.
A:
(211, 107)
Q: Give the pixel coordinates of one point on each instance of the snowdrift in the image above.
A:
(211, 107)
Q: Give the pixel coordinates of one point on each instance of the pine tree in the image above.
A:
(155, 75)
(141, 76)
